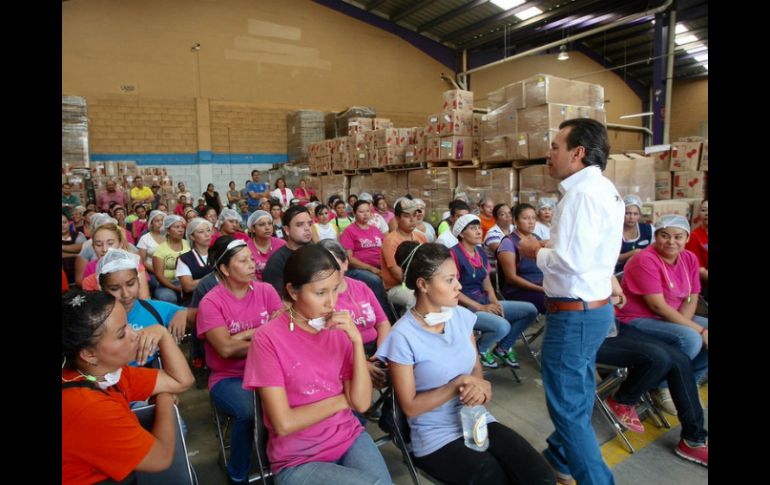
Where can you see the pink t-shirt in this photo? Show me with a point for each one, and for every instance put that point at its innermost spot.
(359, 299)
(310, 368)
(90, 269)
(647, 274)
(261, 258)
(238, 235)
(365, 244)
(220, 308)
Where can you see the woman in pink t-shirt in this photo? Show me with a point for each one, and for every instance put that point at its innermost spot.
(303, 193)
(105, 237)
(359, 300)
(227, 317)
(662, 285)
(262, 242)
(309, 368)
(362, 241)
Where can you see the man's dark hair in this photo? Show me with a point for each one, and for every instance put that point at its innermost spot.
(252, 173)
(458, 205)
(591, 135)
(291, 212)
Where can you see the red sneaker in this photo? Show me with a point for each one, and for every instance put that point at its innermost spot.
(697, 454)
(626, 415)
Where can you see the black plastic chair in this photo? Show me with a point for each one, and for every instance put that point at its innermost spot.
(181, 471)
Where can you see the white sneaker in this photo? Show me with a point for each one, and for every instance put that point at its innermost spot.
(662, 399)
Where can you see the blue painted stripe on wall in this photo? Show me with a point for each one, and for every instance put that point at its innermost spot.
(204, 157)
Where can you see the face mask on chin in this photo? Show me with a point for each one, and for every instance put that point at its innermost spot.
(109, 379)
(435, 318)
(317, 323)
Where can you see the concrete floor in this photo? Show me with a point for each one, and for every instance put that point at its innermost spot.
(520, 406)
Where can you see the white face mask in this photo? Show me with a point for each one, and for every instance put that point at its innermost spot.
(434, 318)
(110, 379)
(317, 323)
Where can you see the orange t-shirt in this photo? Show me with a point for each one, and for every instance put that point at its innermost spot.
(388, 256)
(101, 437)
(486, 224)
(64, 285)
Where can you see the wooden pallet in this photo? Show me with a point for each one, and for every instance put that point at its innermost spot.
(405, 166)
(349, 172)
(476, 163)
(337, 172)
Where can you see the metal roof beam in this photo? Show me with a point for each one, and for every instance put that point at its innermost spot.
(498, 17)
(450, 15)
(411, 10)
(374, 4)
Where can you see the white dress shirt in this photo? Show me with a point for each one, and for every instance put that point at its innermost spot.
(586, 234)
(542, 231)
(447, 239)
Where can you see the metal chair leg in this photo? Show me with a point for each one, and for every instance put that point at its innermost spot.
(613, 422)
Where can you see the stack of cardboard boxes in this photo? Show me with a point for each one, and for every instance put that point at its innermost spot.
(680, 178)
(302, 128)
(74, 131)
(449, 134)
(524, 116)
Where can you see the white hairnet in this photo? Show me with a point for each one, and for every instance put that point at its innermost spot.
(365, 196)
(632, 199)
(170, 220)
(99, 219)
(116, 260)
(673, 220)
(546, 202)
(193, 225)
(155, 214)
(462, 223)
(257, 215)
(420, 202)
(227, 215)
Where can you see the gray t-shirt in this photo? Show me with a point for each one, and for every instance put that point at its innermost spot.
(437, 359)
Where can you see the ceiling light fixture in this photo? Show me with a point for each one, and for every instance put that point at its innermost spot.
(508, 4)
(563, 54)
(637, 115)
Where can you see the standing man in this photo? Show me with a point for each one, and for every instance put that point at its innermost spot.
(140, 192)
(68, 201)
(254, 191)
(298, 228)
(577, 265)
(155, 196)
(111, 194)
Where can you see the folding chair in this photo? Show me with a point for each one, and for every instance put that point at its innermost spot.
(614, 377)
(222, 422)
(181, 471)
(401, 441)
(260, 444)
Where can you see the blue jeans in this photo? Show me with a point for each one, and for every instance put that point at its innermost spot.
(570, 343)
(518, 315)
(684, 338)
(375, 283)
(361, 464)
(648, 361)
(230, 397)
(167, 294)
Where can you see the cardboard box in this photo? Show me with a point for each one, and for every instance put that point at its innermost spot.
(496, 98)
(456, 148)
(396, 183)
(494, 149)
(500, 184)
(420, 133)
(458, 99)
(510, 94)
(381, 123)
(434, 186)
(386, 137)
(536, 178)
(369, 140)
(507, 121)
(476, 154)
(518, 146)
(374, 160)
(662, 160)
(540, 143)
(663, 186)
(432, 148)
(653, 211)
(433, 124)
(550, 116)
(456, 123)
(390, 156)
(685, 156)
(361, 158)
(337, 165)
(489, 125)
(532, 197)
(357, 141)
(632, 174)
(476, 131)
(688, 185)
(359, 125)
(545, 88)
(704, 157)
(330, 185)
(695, 214)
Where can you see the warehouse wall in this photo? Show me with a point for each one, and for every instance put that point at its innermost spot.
(689, 108)
(620, 98)
(258, 60)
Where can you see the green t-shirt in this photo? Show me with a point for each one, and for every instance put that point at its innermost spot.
(342, 223)
(443, 227)
(169, 257)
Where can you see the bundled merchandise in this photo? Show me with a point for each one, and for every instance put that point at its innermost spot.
(354, 112)
(499, 184)
(681, 170)
(535, 183)
(74, 132)
(302, 128)
(653, 211)
(632, 174)
(433, 186)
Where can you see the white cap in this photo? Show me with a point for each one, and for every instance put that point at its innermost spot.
(546, 202)
(462, 223)
(257, 215)
(632, 199)
(170, 220)
(193, 225)
(228, 215)
(116, 260)
(672, 220)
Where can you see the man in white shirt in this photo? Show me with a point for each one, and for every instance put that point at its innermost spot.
(577, 265)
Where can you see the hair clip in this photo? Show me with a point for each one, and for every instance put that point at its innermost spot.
(77, 301)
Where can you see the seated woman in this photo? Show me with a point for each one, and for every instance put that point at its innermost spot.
(341, 218)
(363, 241)
(101, 438)
(87, 253)
(303, 193)
(227, 317)
(139, 224)
(486, 215)
(164, 259)
(71, 243)
(662, 285)
(521, 278)
(118, 275)
(381, 216)
(323, 229)
(262, 242)
(431, 353)
(649, 361)
(698, 244)
(229, 224)
(78, 222)
(192, 266)
(211, 215)
(109, 236)
(150, 241)
(309, 367)
(358, 299)
(635, 236)
(499, 321)
(282, 193)
(119, 213)
(502, 228)
(545, 208)
(422, 226)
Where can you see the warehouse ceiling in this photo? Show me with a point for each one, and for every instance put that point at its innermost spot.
(489, 32)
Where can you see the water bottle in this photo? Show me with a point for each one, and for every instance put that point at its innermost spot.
(474, 421)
